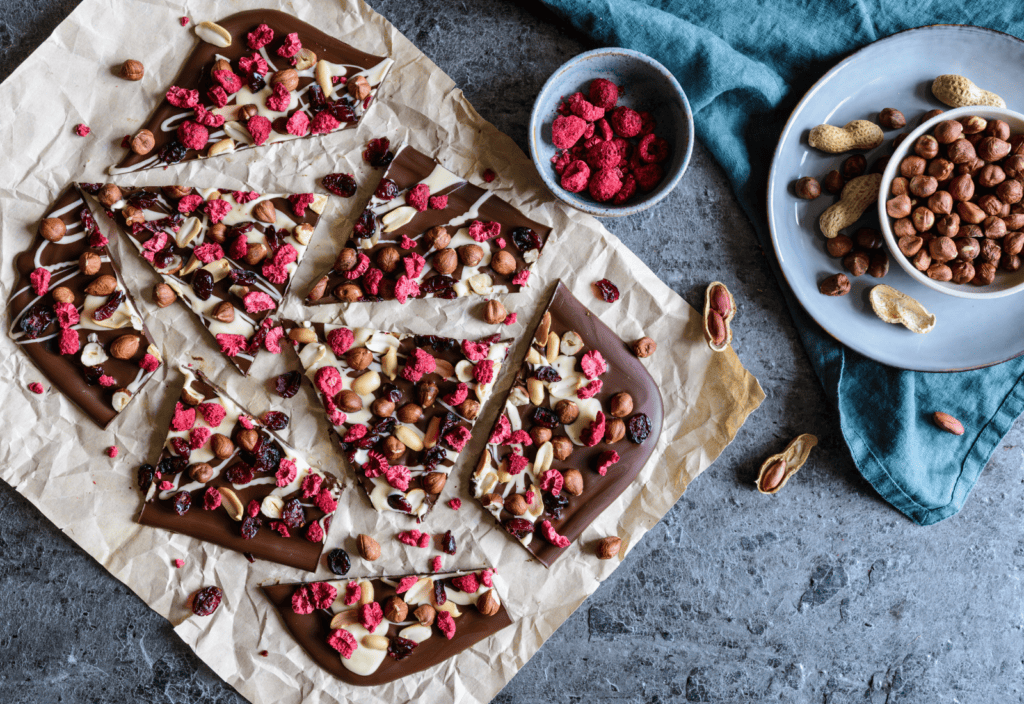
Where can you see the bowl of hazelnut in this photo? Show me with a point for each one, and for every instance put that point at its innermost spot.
(951, 204)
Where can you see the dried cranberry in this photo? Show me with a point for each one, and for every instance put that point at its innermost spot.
(242, 277)
(91, 188)
(440, 595)
(274, 238)
(390, 392)
(399, 503)
(518, 528)
(638, 427)
(239, 473)
(341, 112)
(182, 502)
(172, 152)
(365, 226)
(546, 374)
(36, 320)
(376, 153)
(448, 421)
(441, 286)
(433, 456)
(256, 81)
(93, 374)
(251, 526)
(142, 199)
(544, 417)
(88, 223)
(163, 258)
(526, 239)
(400, 648)
(340, 184)
(106, 310)
(292, 514)
(554, 505)
(275, 420)
(287, 384)
(268, 456)
(386, 190)
(609, 291)
(448, 543)
(145, 477)
(339, 562)
(317, 102)
(206, 601)
(182, 447)
(240, 229)
(202, 284)
(169, 466)
(440, 344)
(257, 340)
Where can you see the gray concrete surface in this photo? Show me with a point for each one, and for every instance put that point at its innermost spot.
(822, 594)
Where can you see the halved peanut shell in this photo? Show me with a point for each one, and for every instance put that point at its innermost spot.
(894, 306)
(777, 469)
(719, 310)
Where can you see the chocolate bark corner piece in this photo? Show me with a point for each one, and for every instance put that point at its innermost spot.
(228, 255)
(72, 314)
(428, 233)
(568, 442)
(328, 629)
(225, 479)
(280, 80)
(401, 406)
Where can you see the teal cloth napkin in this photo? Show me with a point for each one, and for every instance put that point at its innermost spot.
(744, 65)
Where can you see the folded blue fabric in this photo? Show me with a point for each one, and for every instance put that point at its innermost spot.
(744, 65)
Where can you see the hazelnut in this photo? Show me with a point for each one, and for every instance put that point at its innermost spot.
(961, 151)
(948, 225)
(289, 78)
(939, 272)
(903, 227)
(999, 129)
(990, 204)
(880, 163)
(973, 124)
(265, 212)
(425, 614)
(912, 166)
(926, 147)
(930, 114)
(410, 413)
(968, 249)
(839, 246)
(164, 295)
(89, 263)
(247, 111)
(942, 249)
(1009, 262)
(383, 407)
(494, 312)
(52, 229)
(891, 119)
(899, 186)
(898, 206)
(63, 294)
(990, 251)
(124, 347)
(488, 603)
(388, 259)
(359, 358)
(503, 263)
(433, 482)
(256, 253)
(1014, 166)
(516, 504)
(984, 274)
(469, 409)
(218, 233)
(573, 481)
(102, 286)
(948, 131)
(615, 430)
(899, 139)
(607, 548)
(426, 392)
(835, 285)
(644, 347)
(222, 446)
(994, 227)
(910, 245)
(969, 212)
(393, 447)
(834, 182)
(359, 88)
(142, 142)
(396, 610)
(437, 237)
(567, 411)
(963, 272)
(350, 293)
(941, 169)
(369, 549)
(940, 203)
(562, 447)
(248, 438)
(620, 405)
(1011, 191)
(991, 175)
(132, 215)
(540, 435)
(856, 263)
(923, 186)
(1013, 244)
(470, 254)
(854, 166)
(349, 401)
(346, 259)
(201, 472)
(318, 290)
(923, 219)
(807, 188)
(445, 261)
(992, 149)
(108, 194)
(132, 70)
(921, 260)
(224, 312)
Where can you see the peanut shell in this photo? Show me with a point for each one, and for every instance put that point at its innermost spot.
(857, 134)
(958, 92)
(788, 462)
(717, 330)
(857, 195)
(892, 306)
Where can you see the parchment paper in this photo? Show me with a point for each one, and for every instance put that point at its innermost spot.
(54, 456)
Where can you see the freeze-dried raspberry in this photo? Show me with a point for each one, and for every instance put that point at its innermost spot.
(560, 161)
(447, 624)
(455, 504)
(323, 595)
(552, 482)
(487, 575)
(298, 124)
(648, 176)
(418, 196)
(246, 422)
(436, 564)
(362, 264)
(179, 563)
(149, 363)
(483, 371)
(198, 437)
(406, 288)
(260, 37)
(280, 99)
(243, 197)
(217, 210)
(483, 231)
(593, 365)
(340, 340)
(232, 345)
(605, 460)
(259, 127)
(302, 600)
(209, 252)
(418, 363)
(605, 130)
(566, 130)
(398, 477)
(254, 64)
(275, 273)
(290, 47)
(189, 203)
(604, 184)
(286, 472)
(627, 190)
(548, 531)
(458, 396)
(344, 642)
(311, 485)
(257, 301)
(412, 537)
(626, 122)
(183, 21)
(352, 593)
(218, 96)
(437, 202)
(581, 107)
(193, 135)
(112, 451)
(604, 155)
(603, 93)
(647, 123)
(594, 432)
(182, 98)
(516, 463)
(371, 281)
(591, 389)
(67, 314)
(502, 431)
(653, 149)
(208, 119)
(69, 342)
(370, 616)
(156, 242)
(576, 176)
(272, 342)
(315, 533)
(356, 432)
(105, 380)
(184, 417)
(467, 583)
(407, 243)
(520, 437)
(165, 486)
(458, 438)
(475, 351)
(324, 122)
(328, 380)
(325, 501)
(253, 508)
(299, 202)
(414, 265)
(376, 464)
(40, 280)
(239, 247)
(228, 80)
(281, 528)
(405, 584)
(510, 319)
(211, 499)
(36, 388)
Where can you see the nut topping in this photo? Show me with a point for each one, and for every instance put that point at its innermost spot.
(142, 142)
(102, 286)
(222, 446)
(289, 78)
(52, 229)
(607, 548)
(369, 549)
(265, 212)
(164, 295)
(124, 347)
(132, 70)
(494, 312)
(488, 603)
(224, 312)
(89, 263)
(201, 472)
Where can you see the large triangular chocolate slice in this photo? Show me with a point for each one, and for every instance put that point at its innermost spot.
(256, 78)
(223, 477)
(373, 631)
(579, 424)
(228, 255)
(402, 406)
(428, 233)
(71, 313)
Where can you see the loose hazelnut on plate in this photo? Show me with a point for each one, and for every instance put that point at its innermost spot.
(854, 166)
(807, 188)
(164, 295)
(369, 549)
(132, 70)
(834, 182)
(835, 285)
(892, 119)
(503, 263)
(52, 229)
(142, 142)
(494, 312)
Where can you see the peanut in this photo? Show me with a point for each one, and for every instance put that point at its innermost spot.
(777, 469)
(858, 134)
(957, 91)
(857, 195)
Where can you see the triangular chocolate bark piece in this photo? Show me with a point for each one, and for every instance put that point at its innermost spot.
(228, 255)
(374, 631)
(402, 406)
(580, 422)
(72, 314)
(224, 478)
(428, 233)
(256, 78)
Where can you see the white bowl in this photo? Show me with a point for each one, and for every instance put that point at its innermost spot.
(1006, 283)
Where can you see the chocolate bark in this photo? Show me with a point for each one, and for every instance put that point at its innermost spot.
(90, 375)
(210, 259)
(393, 254)
(269, 490)
(343, 62)
(556, 377)
(312, 630)
(435, 408)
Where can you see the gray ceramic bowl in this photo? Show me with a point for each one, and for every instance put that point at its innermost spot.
(645, 85)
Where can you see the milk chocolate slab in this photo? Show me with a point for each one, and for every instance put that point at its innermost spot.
(72, 340)
(402, 406)
(392, 656)
(392, 253)
(233, 110)
(576, 358)
(224, 478)
(233, 266)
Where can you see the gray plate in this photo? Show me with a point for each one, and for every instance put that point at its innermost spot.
(893, 72)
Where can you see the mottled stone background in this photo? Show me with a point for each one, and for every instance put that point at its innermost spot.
(821, 594)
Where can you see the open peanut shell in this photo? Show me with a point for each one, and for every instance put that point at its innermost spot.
(893, 306)
(777, 469)
(719, 310)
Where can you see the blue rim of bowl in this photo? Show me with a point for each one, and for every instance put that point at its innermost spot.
(769, 187)
(585, 205)
(967, 294)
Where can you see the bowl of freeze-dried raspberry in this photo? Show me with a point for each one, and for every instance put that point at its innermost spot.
(611, 132)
